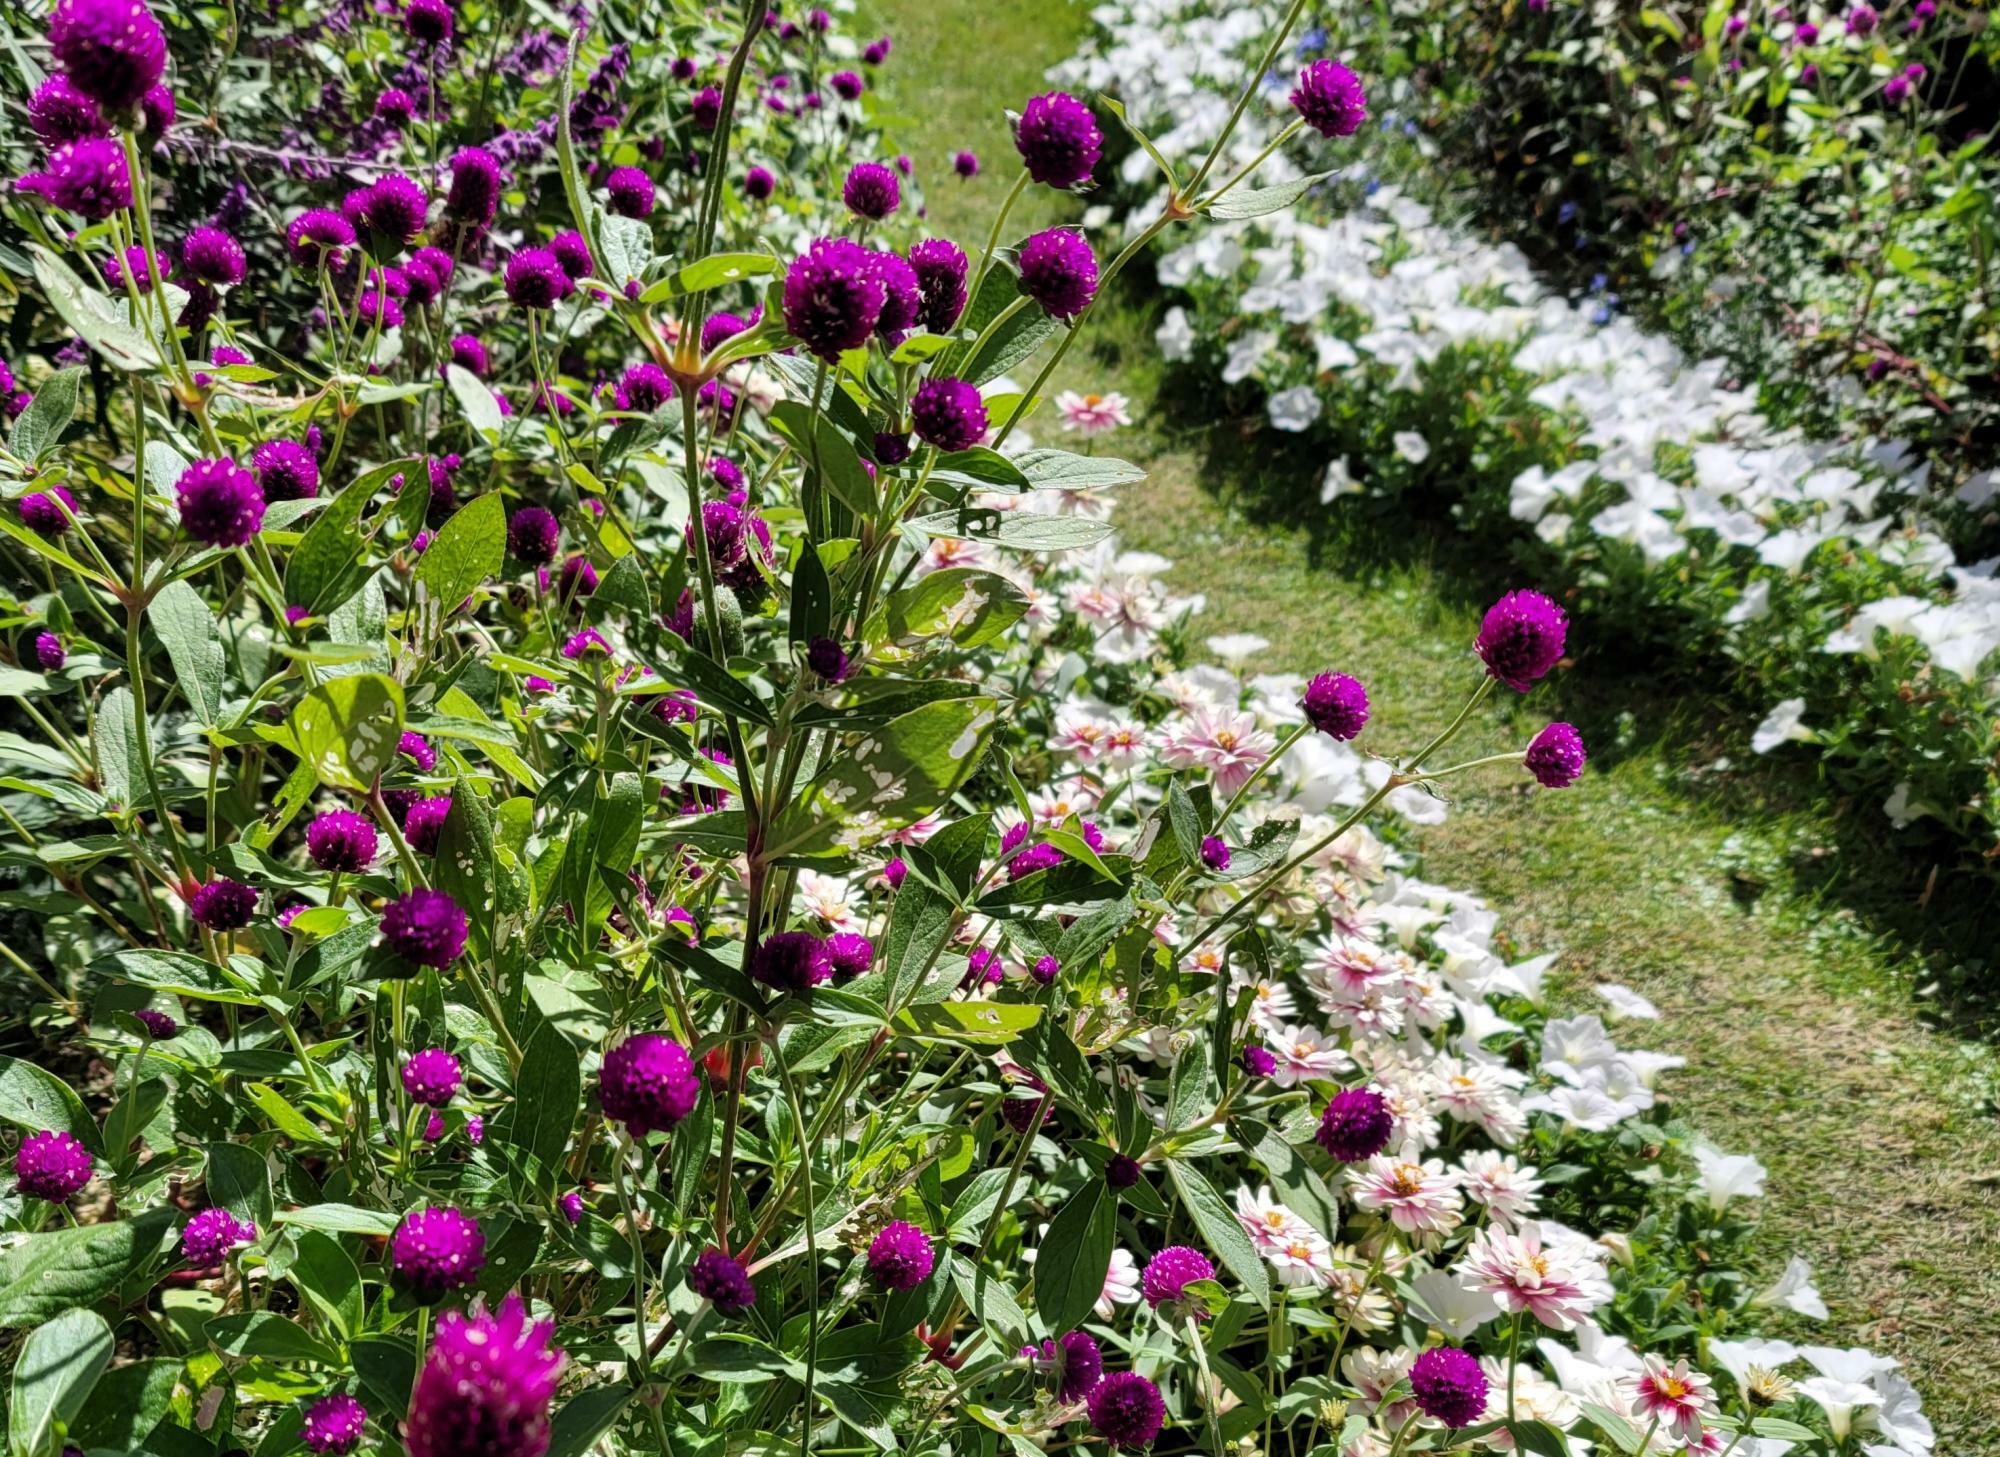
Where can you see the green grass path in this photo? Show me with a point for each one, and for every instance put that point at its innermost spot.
(1803, 1041)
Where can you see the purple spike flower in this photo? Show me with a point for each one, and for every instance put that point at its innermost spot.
(51, 1165)
(437, 1248)
(159, 1026)
(486, 1389)
(1168, 1274)
(900, 1256)
(213, 256)
(965, 164)
(417, 748)
(1074, 1362)
(87, 177)
(630, 192)
(534, 536)
(572, 251)
(648, 1082)
(940, 266)
(1214, 853)
(428, 21)
(535, 279)
(221, 503)
(1521, 638)
(849, 953)
(644, 388)
(949, 414)
(827, 660)
(1058, 139)
(473, 196)
(1059, 272)
(50, 655)
(759, 184)
(425, 927)
(1330, 99)
(318, 235)
(423, 823)
(1555, 756)
(60, 111)
(41, 513)
(1336, 705)
(1257, 1060)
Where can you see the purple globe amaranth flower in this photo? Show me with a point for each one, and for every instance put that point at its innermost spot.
(51, 1165)
(871, 191)
(156, 113)
(571, 1205)
(428, 21)
(423, 823)
(759, 184)
(535, 279)
(221, 503)
(473, 195)
(334, 1425)
(211, 1235)
(50, 654)
(1058, 139)
(486, 1389)
(1059, 272)
(965, 164)
(572, 251)
(1214, 853)
(648, 1082)
(706, 105)
(1449, 1386)
(159, 1025)
(223, 904)
(393, 207)
(576, 579)
(87, 177)
(949, 414)
(1168, 1274)
(850, 954)
(827, 660)
(341, 841)
(895, 872)
(429, 272)
(1076, 1363)
(60, 111)
(940, 266)
(847, 85)
(1330, 99)
(468, 352)
(534, 536)
(113, 50)
(1355, 1125)
(42, 512)
(213, 256)
(425, 927)
(900, 1256)
(1257, 1060)
(1336, 705)
(435, 1249)
(1555, 756)
(833, 298)
(644, 388)
(1895, 91)
(318, 235)
(629, 192)
(727, 474)
(1043, 970)
(432, 1077)
(285, 470)
(722, 1282)
(677, 706)
(1126, 1410)
(902, 296)
(791, 961)
(1862, 20)
(396, 107)
(1121, 1171)
(1521, 638)
(417, 749)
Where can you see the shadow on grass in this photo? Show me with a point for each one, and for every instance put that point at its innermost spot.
(1640, 696)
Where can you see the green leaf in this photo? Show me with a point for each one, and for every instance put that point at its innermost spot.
(347, 729)
(466, 863)
(718, 270)
(1538, 1437)
(47, 415)
(983, 1024)
(1018, 530)
(1075, 1255)
(968, 606)
(920, 922)
(173, 971)
(271, 1336)
(1256, 202)
(115, 737)
(626, 245)
(1299, 1186)
(328, 1280)
(547, 1093)
(623, 590)
(43, 1275)
(893, 776)
(1621, 1433)
(57, 1366)
(127, 1403)
(338, 1219)
(839, 463)
(585, 1418)
(239, 1180)
(812, 598)
(33, 1099)
(1060, 470)
(481, 410)
(387, 1369)
(328, 563)
(1220, 1229)
(186, 628)
(991, 1301)
(1776, 1428)
(471, 547)
(92, 316)
(1117, 109)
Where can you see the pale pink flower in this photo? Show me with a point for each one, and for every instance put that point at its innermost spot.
(1502, 1183)
(1092, 414)
(1418, 1198)
(1121, 1284)
(1269, 1224)
(1677, 1396)
(1305, 1055)
(1558, 1283)
(1226, 741)
(1272, 1005)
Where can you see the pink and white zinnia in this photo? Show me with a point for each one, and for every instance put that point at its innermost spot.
(1558, 1283)
(1674, 1395)
(1418, 1198)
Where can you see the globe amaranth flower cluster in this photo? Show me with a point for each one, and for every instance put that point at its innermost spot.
(648, 1083)
(486, 1388)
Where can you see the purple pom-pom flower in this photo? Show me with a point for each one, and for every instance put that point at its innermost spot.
(51, 1165)
(1126, 1410)
(425, 927)
(949, 414)
(211, 1235)
(1058, 139)
(221, 503)
(334, 1425)
(1059, 272)
(791, 961)
(1449, 1386)
(1330, 99)
(648, 1082)
(432, 1077)
(437, 1248)
(1555, 756)
(285, 470)
(900, 1256)
(487, 1387)
(223, 904)
(1355, 1125)
(113, 50)
(833, 298)
(1336, 705)
(341, 841)
(871, 191)
(1521, 638)
(722, 1282)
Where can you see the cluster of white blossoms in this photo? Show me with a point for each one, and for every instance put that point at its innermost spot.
(1678, 467)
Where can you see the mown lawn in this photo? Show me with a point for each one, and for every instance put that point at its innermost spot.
(1662, 870)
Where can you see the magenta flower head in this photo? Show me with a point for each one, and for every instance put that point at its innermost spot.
(486, 1389)
(87, 177)
(59, 112)
(51, 1165)
(572, 251)
(1861, 20)
(833, 298)
(428, 21)
(847, 85)
(211, 1235)
(791, 961)
(113, 50)
(334, 1425)
(286, 470)
(827, 660)
(1126, 1410)
(469, 352)
(707, 108)
(42, 511)
(849, 954)
(895, 873)
(1075, 1364)
(759, 184)
(1336, 705)
(426, 274)
(393, 207)
(948, 413)
(1521, 638)
(1214, 853)
(572, 1207)
(1059, 272)
(900, 1257)
(1449, 1386)
(876, 51)
(50, 654)
(535, 279)
(417, 749)
(432, 1077)
(223, 904)
(425, 927)
(629, 191)
(534, 536)
(1355, 1125)
(318, 235)
(644, 388)
(423, 823)
(722, 1282)
(965, 164)
(1058, 139)
(1121, 1171)
(1330, 99)
(1555, 756)
(1896, 90)
(221, 503)
(213, 256)
(1168, 1274)
(159, 1025)
(156, 113)
(396, 107)
(648, 1082)
(473, 196)
(435, 1249)
(1257, 1060)
(902, 295)
(871, 191)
